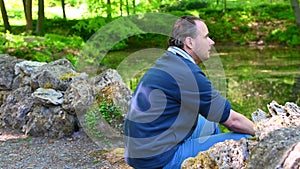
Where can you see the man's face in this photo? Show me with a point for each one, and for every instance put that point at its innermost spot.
(202, 43)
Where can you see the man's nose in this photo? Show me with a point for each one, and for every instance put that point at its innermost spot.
(211, 42)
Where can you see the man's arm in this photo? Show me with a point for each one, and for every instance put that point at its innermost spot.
(239, 123)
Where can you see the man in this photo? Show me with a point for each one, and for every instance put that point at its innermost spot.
(175, 111)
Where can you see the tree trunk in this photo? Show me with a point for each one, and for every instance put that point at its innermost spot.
(133, 5)
(4, 16)
(24, 5)
(108, 10)
(121, 6)
(28, 7)
(41, 16)
(63, 8)
(127, 7)
(296, 9)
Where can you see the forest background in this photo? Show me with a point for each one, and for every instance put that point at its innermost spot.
(46, 30)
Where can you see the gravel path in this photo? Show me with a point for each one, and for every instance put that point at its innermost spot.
(18, 151)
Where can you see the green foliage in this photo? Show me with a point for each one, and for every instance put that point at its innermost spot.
(290, 36)
(43, 49)
(180, 13)
(186, 5)
(59, 26)
(195, 4)
(104, 111)
(95, 6)
(87, 27)
(72, 42)
(53, 3)
(16, 14)
(251, 24)
(109, 111)
(91, 123)
(111, 37)
(75, 3)
(277, 11)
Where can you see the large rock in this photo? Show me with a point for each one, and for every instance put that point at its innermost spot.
(277, 143)
(16, 105)
(23, 71)
(109, 85)
(227, 154)
(49, 99)
(278, 149)
(78, 98)
(86, 98)
(50, 122)
(52, 75)
(281, 116)
(7, 75)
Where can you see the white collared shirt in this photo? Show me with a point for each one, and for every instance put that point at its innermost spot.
(180, 52)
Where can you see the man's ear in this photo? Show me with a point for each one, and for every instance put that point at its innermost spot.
(189, 42)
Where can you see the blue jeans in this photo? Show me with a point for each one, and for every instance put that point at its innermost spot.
(205, 135)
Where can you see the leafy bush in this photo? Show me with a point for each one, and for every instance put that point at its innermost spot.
(272, 12)
(91, 123)
(106, 111)
(113, 36)
(43, 49)
(109, 111)
(186, 5)
(290, 36)
(252, 24)
(195, 4)
(16, 14)
(87, 27)
(59, 26)
(73, 42)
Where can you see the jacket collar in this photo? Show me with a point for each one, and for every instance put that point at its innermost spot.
(180, 52)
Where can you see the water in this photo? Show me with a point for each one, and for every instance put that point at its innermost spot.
(254, 76)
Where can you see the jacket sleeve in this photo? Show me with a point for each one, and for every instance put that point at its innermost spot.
(210, 102)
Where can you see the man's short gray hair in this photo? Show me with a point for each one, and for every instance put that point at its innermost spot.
(184, 27)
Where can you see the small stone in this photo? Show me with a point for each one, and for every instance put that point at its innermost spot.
(258, 115)
(49, 95)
